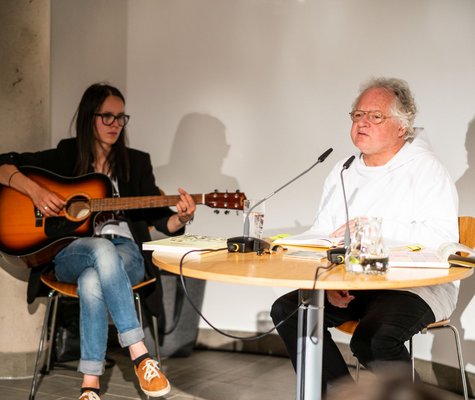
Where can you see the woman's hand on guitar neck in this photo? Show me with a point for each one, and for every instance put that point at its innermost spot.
(185, 212)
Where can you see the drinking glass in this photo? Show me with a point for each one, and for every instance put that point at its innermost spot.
(367, 253)
(256, 217)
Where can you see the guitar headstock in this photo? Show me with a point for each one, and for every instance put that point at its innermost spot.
(227, 200)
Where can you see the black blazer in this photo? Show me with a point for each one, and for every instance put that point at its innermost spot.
(61, 160)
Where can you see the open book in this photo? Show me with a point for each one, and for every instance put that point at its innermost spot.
(184, 243)
(446, 255)
(310, 239)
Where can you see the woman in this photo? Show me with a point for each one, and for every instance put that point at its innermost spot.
(107, 265)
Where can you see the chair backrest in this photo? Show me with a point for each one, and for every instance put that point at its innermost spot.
(467, 231)
(348, 327)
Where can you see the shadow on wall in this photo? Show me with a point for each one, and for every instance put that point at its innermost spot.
(196, 162)
(465, 185)
(466, 190)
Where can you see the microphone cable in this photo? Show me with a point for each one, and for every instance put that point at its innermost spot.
(255, 337)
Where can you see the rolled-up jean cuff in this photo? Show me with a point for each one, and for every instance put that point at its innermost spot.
(130, 337)
(91, 367)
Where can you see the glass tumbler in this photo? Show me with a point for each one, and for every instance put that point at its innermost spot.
(367, 253)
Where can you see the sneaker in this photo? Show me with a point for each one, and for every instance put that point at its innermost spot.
(89, 395)
(152, 381)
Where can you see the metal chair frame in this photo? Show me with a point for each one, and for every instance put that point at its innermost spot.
(350, 326)
(467, 237)
(70, 290)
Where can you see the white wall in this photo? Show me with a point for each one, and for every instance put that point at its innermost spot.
(246, 94)
(88, 44)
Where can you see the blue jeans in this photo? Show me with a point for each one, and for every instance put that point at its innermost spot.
(105, 271)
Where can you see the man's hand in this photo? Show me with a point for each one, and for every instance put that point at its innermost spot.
(339, 298)
(340, 232)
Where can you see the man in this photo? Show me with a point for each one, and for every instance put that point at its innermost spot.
(395, 176)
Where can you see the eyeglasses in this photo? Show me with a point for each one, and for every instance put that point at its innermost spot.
(375, 117)
(109, 118)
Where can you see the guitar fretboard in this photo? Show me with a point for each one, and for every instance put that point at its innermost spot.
(130, 203)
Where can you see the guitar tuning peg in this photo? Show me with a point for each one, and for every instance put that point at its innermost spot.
(216, 211)
(216, 190)
(226, 212)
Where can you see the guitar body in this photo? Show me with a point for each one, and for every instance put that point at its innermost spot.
(33, 239)
(26, 233)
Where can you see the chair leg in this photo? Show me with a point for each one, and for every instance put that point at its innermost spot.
(155, 339)
(52, 333)
(460, 358)
(413, 363)
(459, 355)
(139, 307)
(154, 327)
(357, 374)
(44, 333)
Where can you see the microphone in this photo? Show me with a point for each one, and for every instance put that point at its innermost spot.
(245, 243)
(337, 255)
(346, 165)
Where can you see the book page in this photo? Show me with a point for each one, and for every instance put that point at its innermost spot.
(446, 249)
(443, 257)
(424, 257)
(311, 255)
(310, 239)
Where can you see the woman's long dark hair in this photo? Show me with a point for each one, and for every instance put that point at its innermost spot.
(89, 105)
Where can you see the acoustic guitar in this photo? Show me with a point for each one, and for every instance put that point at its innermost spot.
(27, 234)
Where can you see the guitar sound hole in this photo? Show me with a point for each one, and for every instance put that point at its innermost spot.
(78, 208)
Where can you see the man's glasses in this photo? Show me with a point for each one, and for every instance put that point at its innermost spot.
(109, 118)
(375, 117)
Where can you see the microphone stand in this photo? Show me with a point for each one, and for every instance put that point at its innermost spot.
(245, 243)
(337, 255)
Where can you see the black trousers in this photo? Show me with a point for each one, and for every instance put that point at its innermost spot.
(388, 318)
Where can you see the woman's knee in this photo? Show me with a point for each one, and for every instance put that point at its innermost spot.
(106, 258)
(89, 286)
(103, 248)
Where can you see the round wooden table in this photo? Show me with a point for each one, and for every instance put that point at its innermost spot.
(281, 271)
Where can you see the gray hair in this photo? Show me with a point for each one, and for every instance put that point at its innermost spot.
(404, 106)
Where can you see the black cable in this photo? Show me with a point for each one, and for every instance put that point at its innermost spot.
(327, 268)
(255, 337)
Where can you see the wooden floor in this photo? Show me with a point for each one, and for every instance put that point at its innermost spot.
(205, 375)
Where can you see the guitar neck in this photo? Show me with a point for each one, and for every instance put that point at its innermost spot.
(131, 203)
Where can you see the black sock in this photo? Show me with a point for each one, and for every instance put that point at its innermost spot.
(139, 359)
(96, 391)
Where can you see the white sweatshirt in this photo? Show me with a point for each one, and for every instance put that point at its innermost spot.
(414, 195)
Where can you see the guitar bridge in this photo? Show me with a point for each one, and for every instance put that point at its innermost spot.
(38, 218)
